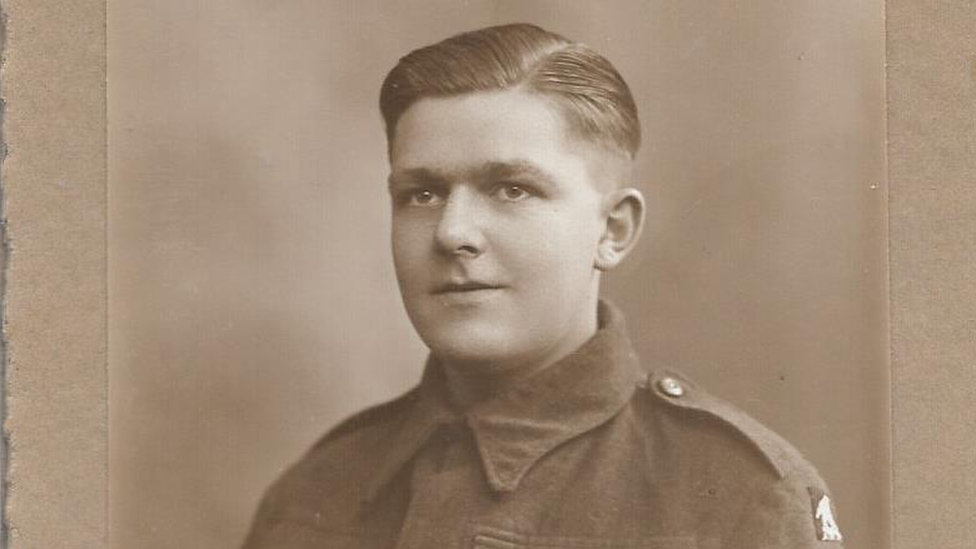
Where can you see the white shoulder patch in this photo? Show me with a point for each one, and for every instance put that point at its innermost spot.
(823, 517)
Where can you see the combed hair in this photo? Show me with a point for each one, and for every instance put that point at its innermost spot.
(595, 100)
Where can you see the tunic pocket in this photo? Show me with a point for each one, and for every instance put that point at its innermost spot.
(495, 538)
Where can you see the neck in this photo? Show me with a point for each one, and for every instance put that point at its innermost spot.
(470, 384)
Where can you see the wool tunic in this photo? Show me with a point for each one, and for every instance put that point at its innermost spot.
(590, 452)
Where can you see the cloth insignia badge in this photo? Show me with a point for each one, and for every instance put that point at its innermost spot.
(823, 516)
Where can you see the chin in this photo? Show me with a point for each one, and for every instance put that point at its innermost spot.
(471, 343)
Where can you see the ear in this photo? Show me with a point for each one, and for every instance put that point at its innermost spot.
(623, 211)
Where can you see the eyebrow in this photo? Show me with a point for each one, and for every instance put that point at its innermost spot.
(515, 169)
(409, 176)
(510, 169)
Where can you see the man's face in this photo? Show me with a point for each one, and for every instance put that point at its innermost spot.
(496, 222)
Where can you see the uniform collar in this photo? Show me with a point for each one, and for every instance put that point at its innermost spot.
(515, 429)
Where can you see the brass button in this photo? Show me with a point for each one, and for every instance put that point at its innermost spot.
(671, 387)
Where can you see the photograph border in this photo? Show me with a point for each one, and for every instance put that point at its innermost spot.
(55, 279)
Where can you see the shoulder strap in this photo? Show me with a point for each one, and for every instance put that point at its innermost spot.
(676, 391)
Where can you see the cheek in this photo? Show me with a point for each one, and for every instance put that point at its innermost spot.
(555, 246)
(409, 245)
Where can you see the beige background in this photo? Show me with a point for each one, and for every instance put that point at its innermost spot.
(252, 300)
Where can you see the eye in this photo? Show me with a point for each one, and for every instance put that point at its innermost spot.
(512, 192)
(420, 197)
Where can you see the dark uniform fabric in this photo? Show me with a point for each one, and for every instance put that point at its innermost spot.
(588, 453)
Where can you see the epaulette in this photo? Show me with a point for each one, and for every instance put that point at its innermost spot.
(675, 390)
(369, 417)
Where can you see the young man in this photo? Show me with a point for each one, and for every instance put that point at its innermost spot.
(534, 425)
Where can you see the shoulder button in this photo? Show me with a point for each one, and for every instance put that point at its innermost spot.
(670, 387)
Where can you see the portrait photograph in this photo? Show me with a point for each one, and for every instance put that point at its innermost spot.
(497, 274)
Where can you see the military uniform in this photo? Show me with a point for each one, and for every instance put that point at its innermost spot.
(588, 453)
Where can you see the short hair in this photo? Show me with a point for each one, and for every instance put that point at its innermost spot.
(594, 99)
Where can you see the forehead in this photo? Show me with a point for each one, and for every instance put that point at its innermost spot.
(463, 132)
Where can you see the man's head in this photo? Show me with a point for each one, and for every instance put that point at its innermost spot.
(510, 152)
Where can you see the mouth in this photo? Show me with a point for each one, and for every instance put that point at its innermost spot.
(467, 286)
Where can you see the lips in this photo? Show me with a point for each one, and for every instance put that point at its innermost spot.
(465, 286)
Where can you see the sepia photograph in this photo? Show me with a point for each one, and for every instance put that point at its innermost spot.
(497, 274)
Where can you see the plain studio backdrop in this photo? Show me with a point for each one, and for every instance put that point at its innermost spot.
(253, 303)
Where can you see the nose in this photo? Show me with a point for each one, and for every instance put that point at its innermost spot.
(458, 230)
